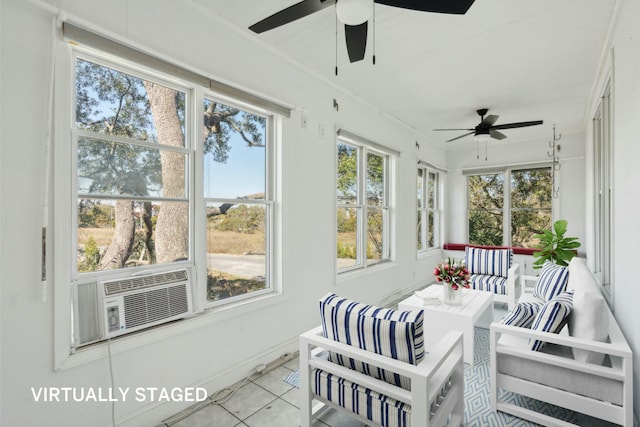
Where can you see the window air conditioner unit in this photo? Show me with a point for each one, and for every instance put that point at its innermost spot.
(130, 304)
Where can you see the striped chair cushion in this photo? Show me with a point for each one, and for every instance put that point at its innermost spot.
(495, 284)
(493, 262)
(522, 314)
(391, 333)
(380, 409)
(552, 317)
(551, 281)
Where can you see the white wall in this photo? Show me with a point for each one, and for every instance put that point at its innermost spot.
(571, 178)
(626, 179)
(216, 354)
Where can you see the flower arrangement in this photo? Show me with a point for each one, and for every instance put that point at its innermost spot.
(453, 272)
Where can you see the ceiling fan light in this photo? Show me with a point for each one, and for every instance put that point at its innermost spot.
(482, 137)
(354, 12)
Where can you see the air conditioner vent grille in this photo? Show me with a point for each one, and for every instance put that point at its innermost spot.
(134, 283)
(154, 305)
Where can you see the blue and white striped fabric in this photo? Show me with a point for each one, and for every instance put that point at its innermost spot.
(492, 262)
(380, 409)
(483, 282)
(551, 282)
(522, 314)
(552, 317)
(391, 333)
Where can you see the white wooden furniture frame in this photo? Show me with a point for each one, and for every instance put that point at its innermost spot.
(428, 379)
(621, 370)
(476, 310)
(514, 287)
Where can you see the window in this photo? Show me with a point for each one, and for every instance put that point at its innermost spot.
(362, 204)
(602, 187)
(429, 211)
(142, 195)
(507, 208)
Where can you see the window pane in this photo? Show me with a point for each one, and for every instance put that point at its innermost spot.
(375, 179)
(235, 152)
(375, 234)
(486, 191)
(236, 248)
(347, 189)
(432, 185)
(431, 230)
(103, 223)
(526, 223)
(485, 227)
(106, 167)
(419, 187)
(420, 231)
(347, 250)
(531, 188)
(115, 103)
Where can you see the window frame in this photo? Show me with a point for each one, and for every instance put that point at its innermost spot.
(65, 277)
(602, 134)
(507, 208)
(363, 147)
(423, 209)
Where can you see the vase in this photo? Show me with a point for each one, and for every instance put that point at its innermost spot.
(451, 296)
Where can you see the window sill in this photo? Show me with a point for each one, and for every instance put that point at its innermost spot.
(208, 317)
(429, 253)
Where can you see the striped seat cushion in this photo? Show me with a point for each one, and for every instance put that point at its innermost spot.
(380, 409)
(493, 262)
(551, 282)
(552, 317)
(483, 282)
(391, 333)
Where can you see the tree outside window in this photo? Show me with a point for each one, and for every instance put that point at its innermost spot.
(134, 165)
(517, 200)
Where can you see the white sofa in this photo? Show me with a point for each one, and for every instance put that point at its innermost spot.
(354, 362)
(587, 367)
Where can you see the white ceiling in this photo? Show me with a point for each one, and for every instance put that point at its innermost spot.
(524, 60)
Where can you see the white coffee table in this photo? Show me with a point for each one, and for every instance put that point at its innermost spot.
(439, 318)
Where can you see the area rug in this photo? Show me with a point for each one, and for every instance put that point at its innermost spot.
(477, 405)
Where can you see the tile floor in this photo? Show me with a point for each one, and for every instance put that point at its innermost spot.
(263, 401)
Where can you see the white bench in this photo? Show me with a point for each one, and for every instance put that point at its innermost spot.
(553, 375)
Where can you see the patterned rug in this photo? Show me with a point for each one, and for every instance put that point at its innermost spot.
(477, 405)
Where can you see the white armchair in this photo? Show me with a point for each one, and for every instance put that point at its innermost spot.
(492, 270)
(376, 388)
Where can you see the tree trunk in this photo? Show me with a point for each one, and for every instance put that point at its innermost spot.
(122, 241)
(172, 232)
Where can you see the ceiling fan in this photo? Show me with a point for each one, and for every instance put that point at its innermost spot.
(354, 14)
(487, 129)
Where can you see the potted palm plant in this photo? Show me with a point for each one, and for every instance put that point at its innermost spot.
(554, 246)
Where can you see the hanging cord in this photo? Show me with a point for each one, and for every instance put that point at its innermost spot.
(374, 33)
(485, 150)
(336, 35)
(47, 161)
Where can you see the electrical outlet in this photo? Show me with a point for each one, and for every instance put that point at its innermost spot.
(321, 131)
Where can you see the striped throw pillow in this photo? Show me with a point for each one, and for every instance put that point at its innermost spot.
(391, 333)
(494, 262)
(522, 314)
(551, 282)
(552, 317)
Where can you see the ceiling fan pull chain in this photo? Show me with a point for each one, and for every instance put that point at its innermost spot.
(485, 150)
(477, 150)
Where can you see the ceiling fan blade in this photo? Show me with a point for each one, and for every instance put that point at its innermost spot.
(456, 7)
(497, 134)
(517, 125)
(453, 129)
(458, 137)
(489, 120)
(356, 37)
(290, 14)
